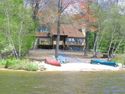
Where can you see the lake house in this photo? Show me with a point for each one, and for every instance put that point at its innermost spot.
(70, 37)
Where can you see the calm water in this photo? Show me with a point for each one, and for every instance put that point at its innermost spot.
(62, 83)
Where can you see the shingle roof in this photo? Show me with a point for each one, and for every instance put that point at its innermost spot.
(66, 30)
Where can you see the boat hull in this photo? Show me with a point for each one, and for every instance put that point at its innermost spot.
(103, 62)
(52, 62)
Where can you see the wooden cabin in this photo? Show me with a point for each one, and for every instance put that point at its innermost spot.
(70, 37)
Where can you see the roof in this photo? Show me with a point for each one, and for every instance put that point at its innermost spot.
(66, 30)
(69, 31)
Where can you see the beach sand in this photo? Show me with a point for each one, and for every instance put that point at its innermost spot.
(79, 67)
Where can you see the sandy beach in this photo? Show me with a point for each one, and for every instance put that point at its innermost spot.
(79, 67)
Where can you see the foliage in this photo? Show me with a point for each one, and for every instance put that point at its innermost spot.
(114, 30)
(17, 27)
(90, 41)
(110, 30)
(120, 58)
(25, 66)
(31, 67)
(19, 64)
(9, 62)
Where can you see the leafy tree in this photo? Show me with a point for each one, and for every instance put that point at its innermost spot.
(17, 27)
(87, 19)
(111, 31)
(116, 30)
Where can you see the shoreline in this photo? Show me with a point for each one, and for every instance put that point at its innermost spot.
(12, 70)
(72, 67)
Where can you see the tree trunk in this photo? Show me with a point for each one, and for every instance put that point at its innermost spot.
(10, 39)
(116, 49)
(35, 43)
(20, 41)
(35, 10)
(111, 42)
(95, 44)
(86, 44)
(57, 38)
(58, 31)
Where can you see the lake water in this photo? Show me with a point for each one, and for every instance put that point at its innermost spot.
(62, 82)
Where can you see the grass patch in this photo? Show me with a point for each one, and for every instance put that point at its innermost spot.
(120, 58)
(18, 64)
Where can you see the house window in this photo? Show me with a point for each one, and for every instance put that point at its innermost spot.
(44, 41)
(74, 40)
(70, 40)
(43, 28)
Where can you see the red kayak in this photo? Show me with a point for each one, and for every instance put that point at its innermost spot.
(52, 62)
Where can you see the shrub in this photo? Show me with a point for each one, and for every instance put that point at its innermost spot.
(2, 62)
(31, 67)
(120, 59)
(18, 64)
(11, 62)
